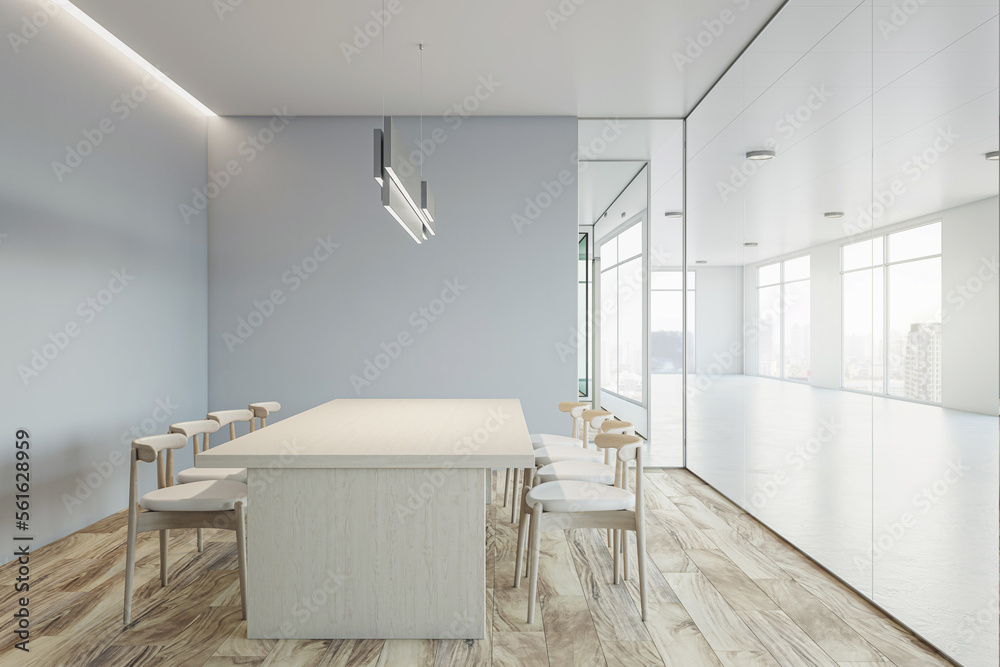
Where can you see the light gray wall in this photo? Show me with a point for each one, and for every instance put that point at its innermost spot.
(499, 337)
(117, 210)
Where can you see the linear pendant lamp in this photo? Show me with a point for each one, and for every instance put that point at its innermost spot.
(404, 195)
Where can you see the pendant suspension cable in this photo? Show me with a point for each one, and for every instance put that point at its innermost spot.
(384, 25)
(422, 156)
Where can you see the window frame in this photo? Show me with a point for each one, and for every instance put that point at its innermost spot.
(638, 219)
(884, 266)
(780, 263)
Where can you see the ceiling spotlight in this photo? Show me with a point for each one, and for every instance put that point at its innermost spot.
(623, 214)
(833, 214)
(751, 244)
(760, 155)
(673, 214)
(701, 261)
(993, 155)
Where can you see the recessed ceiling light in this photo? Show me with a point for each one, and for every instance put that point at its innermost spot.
(701, 261)
(760, 155)
(833, 214)
(993, 155)
(751, 244)
(623, 214)
(102, 32)
(673, 214)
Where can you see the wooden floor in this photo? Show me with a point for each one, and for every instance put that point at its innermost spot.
(723, 591)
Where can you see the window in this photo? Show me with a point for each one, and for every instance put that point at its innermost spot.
(891, 338)
(783, 319)
(667, 326)
(622, 361)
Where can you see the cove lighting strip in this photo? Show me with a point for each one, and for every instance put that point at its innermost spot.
(100, 30)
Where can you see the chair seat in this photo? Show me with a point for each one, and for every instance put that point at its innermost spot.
(576, 496)
(549, 439)
(211, 496)
(583, 471)
(551, 454)
(208, 474)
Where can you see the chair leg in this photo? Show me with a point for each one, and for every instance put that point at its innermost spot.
(129, 570)
(506, 486)
(241, 551)
(640, 545)
(514, 506)
(616, 558)
(535, 537)
(164, 538)
(201, 540)
(522, 531)
(624, 538)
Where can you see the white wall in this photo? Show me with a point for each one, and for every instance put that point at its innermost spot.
(717, 315)
(61, 242)
(502, 335)
(970, 292)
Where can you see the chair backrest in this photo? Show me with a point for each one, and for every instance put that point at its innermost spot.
(195, 428)
(149, 449)
(230, 417)
(617, 426)
(596, 417)
(225, 417)
(633, 452)
(264, 410)
(570, 406)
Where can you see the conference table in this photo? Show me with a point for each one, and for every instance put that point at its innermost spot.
(366, 518)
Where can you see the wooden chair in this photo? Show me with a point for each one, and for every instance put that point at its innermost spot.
(262, 411)
(575, 410)
(561, 505)
(230, 417)
(581, 470)
(210, 504)
(593, 419)
(192, 429)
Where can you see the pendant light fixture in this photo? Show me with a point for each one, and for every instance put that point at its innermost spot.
(405, 194)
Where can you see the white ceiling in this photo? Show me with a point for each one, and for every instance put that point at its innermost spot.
(606, 59)
(895, 93)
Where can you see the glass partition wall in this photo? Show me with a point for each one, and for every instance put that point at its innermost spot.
(845, 373)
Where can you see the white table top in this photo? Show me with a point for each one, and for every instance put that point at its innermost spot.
(386, 433)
